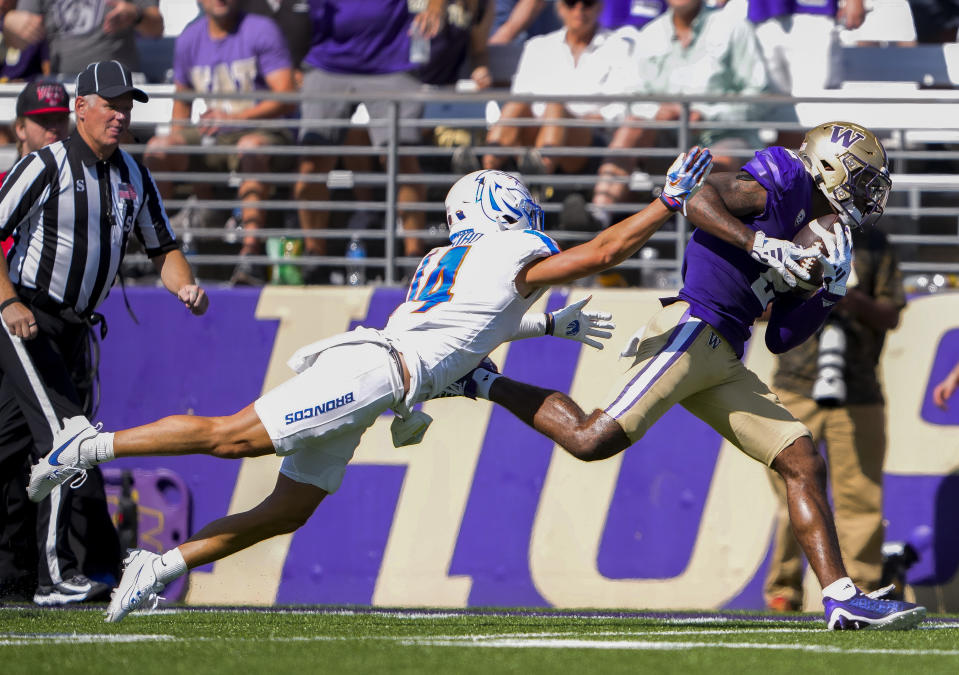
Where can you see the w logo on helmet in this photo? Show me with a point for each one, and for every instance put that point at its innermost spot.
(846, 136)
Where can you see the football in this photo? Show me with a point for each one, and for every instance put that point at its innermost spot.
(813, 234)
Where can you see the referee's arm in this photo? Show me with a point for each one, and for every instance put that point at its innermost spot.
(17, 317)
(23, 189)
(178, 278)
(154, 231)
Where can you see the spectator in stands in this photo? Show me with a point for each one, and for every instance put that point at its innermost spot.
(228, 51)
(579, 59)
(787, 29)
(458, 49)
(462, 41)
(831, 384)
(82, 33)
(691, 49)
(293, 19)
(519, 20)
(884, 22)
(945, 389)
(19, 65)
(936, 21)
(362, 48)
(635, 13)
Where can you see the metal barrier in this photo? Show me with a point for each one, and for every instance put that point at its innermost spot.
(921, 217)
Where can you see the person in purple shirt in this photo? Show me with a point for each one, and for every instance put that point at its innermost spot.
(636, 13)
(363, 47)
(228, 51)
(739, 260)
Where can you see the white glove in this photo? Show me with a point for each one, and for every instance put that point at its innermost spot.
(836, 264)
(685, 177)
(410, 430)
(781, 255)
(573, 323)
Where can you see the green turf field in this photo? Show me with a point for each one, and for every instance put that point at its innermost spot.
(361, 640)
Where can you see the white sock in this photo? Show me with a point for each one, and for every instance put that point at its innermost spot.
(97, 449)
(484, 379)
(172, 565)
(840, 589)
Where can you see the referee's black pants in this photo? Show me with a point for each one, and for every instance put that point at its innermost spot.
(72, 530)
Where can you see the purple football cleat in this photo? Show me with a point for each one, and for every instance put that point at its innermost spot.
(862, 612)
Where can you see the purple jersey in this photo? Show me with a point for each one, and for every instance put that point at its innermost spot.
(236, 63)
(638, 13)
(760, 10)
(722, 283)
(365, 37)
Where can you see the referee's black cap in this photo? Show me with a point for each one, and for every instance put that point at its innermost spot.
(108, 79)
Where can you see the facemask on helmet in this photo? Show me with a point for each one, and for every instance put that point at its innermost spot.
(489, 201)
(849, 166)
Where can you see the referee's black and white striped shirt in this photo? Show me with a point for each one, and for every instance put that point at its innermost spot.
(71, 214)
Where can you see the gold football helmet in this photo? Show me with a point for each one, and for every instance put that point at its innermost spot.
(849, 166)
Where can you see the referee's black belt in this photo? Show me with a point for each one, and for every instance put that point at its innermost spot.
(42, 301)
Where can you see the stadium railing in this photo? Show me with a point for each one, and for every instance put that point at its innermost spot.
(919, 127)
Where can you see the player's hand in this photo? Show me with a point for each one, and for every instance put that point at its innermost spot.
(685, 177)
(781, 256)
(836, 264)
(194, 299)
(20, 321)
(572, 323)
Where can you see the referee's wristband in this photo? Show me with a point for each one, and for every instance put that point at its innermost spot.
(9, 301)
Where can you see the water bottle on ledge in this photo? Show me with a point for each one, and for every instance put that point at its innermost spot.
(356, 251)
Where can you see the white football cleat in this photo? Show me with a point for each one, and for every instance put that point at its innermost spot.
(138, 587)
(63, 462)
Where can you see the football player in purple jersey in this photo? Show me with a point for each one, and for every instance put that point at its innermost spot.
(739, 260)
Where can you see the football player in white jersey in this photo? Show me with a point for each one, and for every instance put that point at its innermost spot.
(465, 299)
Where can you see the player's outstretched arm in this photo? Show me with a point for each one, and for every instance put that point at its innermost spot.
(571, 323)
(723, 199)
(616, 243)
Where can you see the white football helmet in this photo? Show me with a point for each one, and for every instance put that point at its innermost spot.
(849, 166)
(489, 201)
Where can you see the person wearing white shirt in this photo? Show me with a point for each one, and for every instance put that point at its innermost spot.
(580, 59)
(691, 49)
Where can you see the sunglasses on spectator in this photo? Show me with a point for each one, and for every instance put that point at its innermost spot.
(586, 3)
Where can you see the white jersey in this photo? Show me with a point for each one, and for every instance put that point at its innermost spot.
(462, 304)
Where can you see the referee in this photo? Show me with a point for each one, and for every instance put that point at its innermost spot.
(71, 207)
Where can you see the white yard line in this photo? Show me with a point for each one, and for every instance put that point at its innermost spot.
(658, 645)
(601, 640)
(77, 638)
